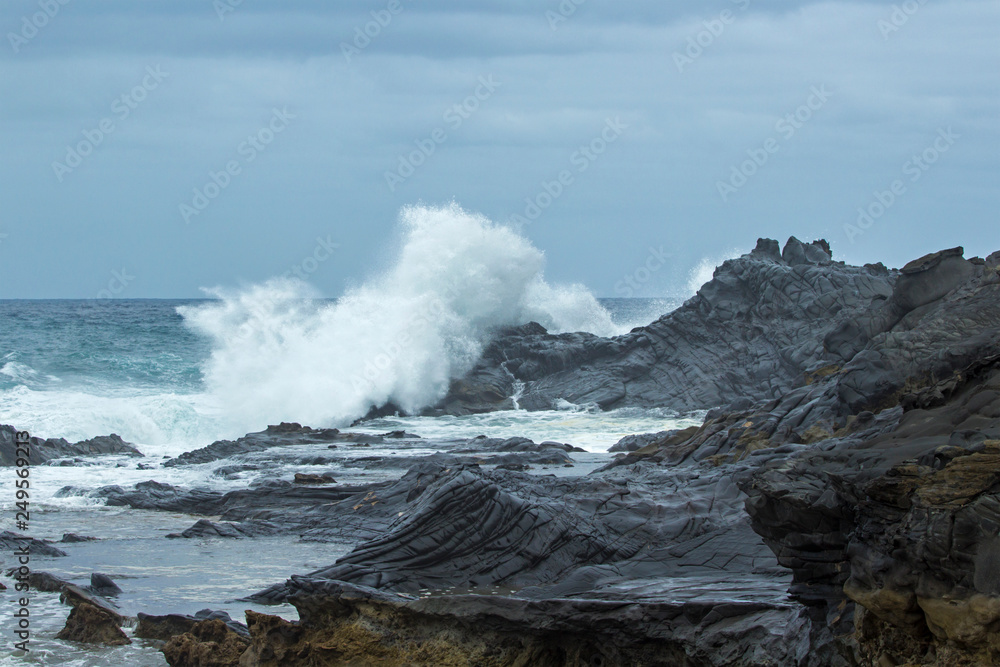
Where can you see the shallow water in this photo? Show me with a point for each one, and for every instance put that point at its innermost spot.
(161, 576)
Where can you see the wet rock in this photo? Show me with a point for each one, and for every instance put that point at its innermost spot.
(752, 332)
(209, 643)
(91, 620)
(306, 478)
(11, 542)
(71, 538)
(102, 584)
(630, 443)
(282, 435)
(93, 625)
(358, 625)
(521, 445)
(41, 451)
(45, 582)
(205, 528)
(164, 627)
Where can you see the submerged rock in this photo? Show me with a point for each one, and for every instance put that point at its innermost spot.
(307, 478)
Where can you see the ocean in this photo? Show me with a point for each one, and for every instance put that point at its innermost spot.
(160, 373)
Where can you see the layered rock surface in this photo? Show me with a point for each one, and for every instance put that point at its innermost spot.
(839, 506)
(752, 333)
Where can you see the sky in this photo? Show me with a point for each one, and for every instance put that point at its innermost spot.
(151, 149)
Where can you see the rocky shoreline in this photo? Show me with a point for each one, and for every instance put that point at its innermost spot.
(840, 504)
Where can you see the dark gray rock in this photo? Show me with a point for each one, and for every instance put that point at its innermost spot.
(41, 451)
(11, 542)
(70, 538)
(205, 528)
(755, 331)
(45, 582)
(282, 435)
(630, 443)
(102, 584)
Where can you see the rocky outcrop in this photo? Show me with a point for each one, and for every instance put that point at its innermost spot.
(41, 451)
(752, 332)
(343, 624)
(91, 621)
(904, 523)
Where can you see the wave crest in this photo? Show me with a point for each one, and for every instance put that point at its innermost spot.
(280, 353)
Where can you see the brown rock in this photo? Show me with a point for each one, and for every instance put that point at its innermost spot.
(208, 644)
(93, 625)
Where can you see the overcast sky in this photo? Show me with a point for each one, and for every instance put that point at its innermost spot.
(705, 126)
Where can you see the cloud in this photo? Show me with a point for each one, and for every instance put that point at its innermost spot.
(326, 175)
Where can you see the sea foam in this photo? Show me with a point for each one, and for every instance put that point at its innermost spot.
(280, 353)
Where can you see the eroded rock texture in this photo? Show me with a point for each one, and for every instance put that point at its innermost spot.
(839, 506)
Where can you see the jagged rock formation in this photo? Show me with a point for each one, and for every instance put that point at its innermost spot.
(749, 334)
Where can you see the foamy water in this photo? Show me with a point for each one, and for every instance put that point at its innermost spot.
(280, 354)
